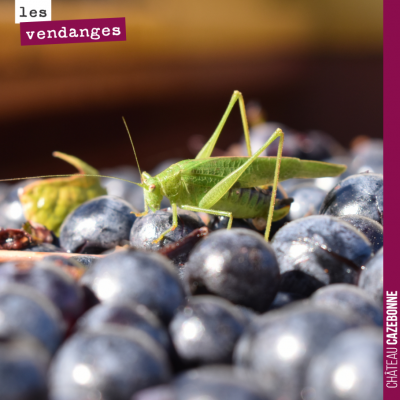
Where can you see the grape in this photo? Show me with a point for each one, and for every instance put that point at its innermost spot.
(97, 225)
(350, 368)
(23, 367)
(351, 299)
(360, 194)
(24, 310)
(280, 345)
(371, 279)
(238, 265)
(148, 228)
(206, 329)
(112, 364)
(51, 281)
(126, 314)
(317, 251)
(145, 278)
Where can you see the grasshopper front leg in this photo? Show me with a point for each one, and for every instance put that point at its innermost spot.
(174, 224)
(196, 209)
(145, 212)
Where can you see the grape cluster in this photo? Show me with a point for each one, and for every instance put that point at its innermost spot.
(225, 315)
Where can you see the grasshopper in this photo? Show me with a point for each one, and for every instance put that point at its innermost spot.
(227, 186)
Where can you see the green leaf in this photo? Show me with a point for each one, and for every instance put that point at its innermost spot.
(49, 201)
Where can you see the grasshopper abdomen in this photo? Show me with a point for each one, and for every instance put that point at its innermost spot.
(248, 202)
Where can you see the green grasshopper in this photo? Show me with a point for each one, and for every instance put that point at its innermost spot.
(227, 186)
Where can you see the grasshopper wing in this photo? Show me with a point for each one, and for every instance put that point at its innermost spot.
(207, 172)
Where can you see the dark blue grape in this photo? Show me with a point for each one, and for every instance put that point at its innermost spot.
(319, 250)
(307, 200)
(51, 281)
(350, 298)
(76, 269)
(350, 368)
(211, 383)
(24, 310)
(148, 228)
(371, 278)
(160, 392)
(23, 368)
(112, 365)
(220, 222)
(217, 223)
(360, 194)
(205, 331)
(126, 314)
(145, 278)
(11, 212)
(283, 299)
(97, 225)
(238, 265)
(219, 383)
(371, 229)
(279, 347)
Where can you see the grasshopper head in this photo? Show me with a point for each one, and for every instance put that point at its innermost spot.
(152, 191)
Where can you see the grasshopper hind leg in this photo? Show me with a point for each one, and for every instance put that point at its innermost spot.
(209, 146)
(270, 218)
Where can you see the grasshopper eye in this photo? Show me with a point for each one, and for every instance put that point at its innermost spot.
(152, 187)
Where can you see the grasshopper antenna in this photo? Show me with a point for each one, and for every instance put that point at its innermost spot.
(68, 176)
(133, 147)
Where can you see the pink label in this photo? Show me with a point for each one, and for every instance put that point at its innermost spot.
(73, 31)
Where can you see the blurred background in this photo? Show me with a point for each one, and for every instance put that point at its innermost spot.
(311, 64)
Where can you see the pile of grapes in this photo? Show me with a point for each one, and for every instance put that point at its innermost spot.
(207, 313)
